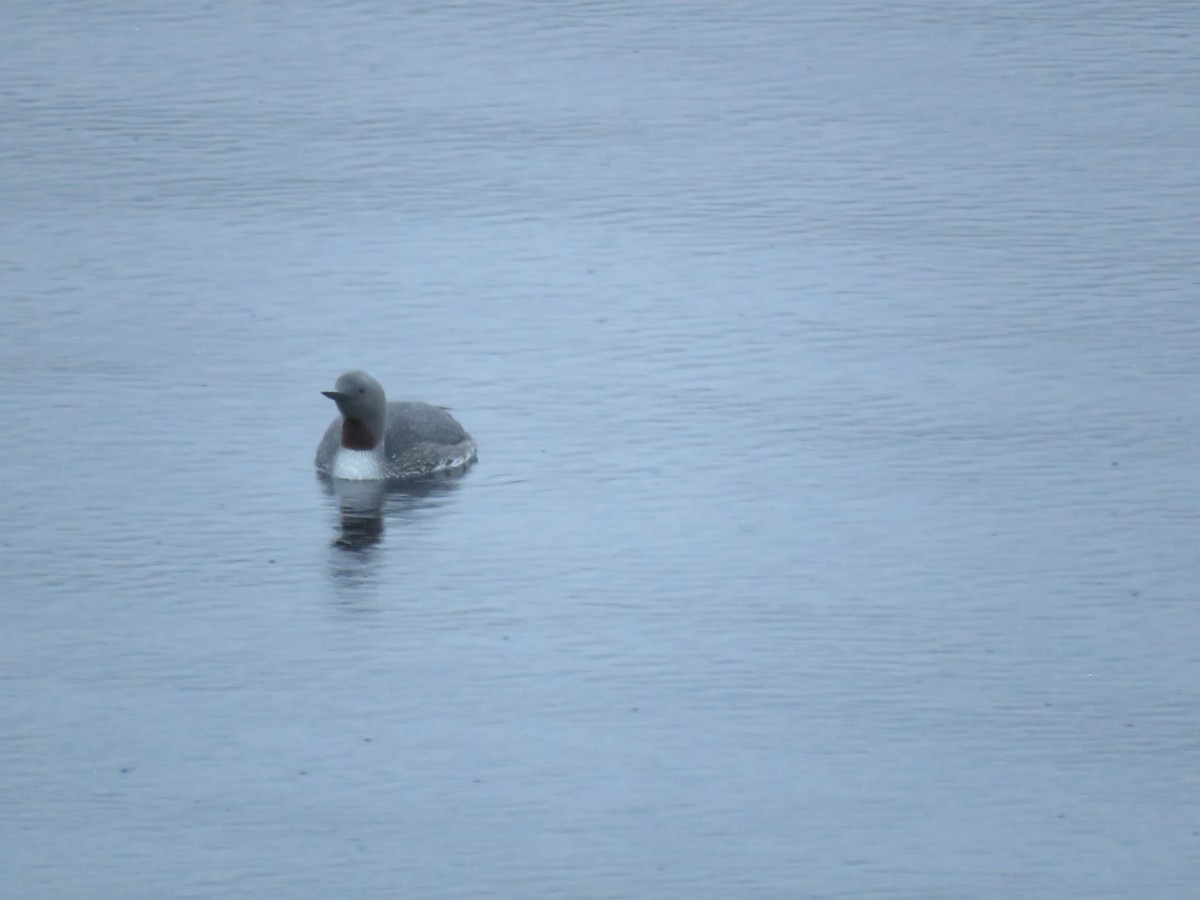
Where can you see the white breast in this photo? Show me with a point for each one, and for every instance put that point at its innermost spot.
(357, 465)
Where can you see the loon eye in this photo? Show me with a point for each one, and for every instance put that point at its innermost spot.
(362, 390)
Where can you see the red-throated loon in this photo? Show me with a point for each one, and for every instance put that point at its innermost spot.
(375, 439)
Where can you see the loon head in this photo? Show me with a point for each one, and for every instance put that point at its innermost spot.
(363, 405)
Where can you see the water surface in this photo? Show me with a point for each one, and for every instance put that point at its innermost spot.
(834, 374)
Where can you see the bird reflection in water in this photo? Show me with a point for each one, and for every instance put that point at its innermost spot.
(363, 505)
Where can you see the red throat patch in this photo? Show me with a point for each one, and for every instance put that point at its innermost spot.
(356, 435)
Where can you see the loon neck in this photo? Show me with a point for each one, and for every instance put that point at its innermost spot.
(357, 436)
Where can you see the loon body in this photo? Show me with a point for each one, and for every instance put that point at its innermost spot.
(378, 439)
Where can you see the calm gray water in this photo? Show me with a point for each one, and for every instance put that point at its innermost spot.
(835, 373)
